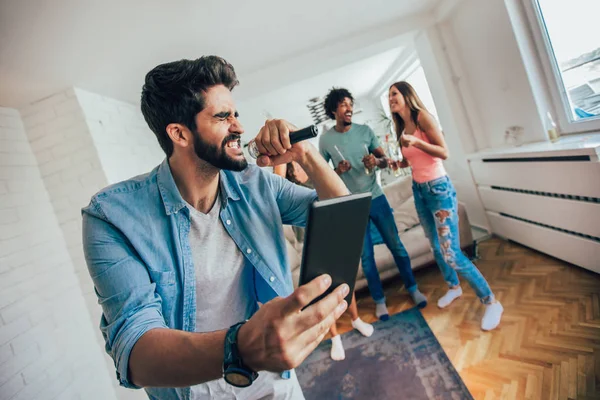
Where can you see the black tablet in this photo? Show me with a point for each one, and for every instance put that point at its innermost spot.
(333, 240)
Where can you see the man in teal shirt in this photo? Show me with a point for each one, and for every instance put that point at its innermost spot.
(355, 151)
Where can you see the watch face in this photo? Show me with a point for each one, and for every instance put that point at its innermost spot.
(238, 379)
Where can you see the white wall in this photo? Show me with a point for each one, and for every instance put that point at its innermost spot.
(75, 158)
(485, 43)
(453, 118)
(253, 113)
(70, 169)
(480, 85)
(369, 114)
(48, 348)
(125, 145)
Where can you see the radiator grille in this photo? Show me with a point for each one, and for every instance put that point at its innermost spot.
(538, 159)
(582, 235)
(548, 194)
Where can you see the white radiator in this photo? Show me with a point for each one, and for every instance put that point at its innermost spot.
(547, 199)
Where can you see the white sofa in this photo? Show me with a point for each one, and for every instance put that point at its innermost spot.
(399, 195)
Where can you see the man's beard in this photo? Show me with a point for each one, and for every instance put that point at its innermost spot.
(217, 155)
(347, 123)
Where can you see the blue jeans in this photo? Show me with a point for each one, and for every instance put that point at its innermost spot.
(381, 215)
(438, 211)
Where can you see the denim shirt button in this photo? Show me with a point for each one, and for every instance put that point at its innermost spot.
(271, 279)
(248, 251)
(228, 222)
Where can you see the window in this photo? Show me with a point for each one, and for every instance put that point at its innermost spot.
(418, 80)
(569, 44)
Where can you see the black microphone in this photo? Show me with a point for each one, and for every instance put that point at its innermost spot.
(297, 136)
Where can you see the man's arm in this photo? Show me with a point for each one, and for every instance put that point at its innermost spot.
(323, 149)
(326, 180)
(277, 338)
(376, 156)
(429, 126)
(148, 353)
(380, 158)
(274, 144)
(172, 358)
(280, 170)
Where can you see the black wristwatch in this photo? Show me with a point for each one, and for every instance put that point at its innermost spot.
(234, 371)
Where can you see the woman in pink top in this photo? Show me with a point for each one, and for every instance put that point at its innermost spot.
(424, 148)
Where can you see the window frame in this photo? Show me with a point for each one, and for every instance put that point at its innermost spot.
(553, 77)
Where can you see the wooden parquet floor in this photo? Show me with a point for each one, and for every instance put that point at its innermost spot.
(548, 344)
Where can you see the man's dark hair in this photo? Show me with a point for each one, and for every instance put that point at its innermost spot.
(333, 100)
(174, 93)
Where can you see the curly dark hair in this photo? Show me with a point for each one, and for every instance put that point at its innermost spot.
(174, 93)
(333, 100)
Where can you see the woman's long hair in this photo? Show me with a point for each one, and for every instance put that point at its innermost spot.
(413, 102)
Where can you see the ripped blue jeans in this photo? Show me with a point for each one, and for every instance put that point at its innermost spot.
(437, 208)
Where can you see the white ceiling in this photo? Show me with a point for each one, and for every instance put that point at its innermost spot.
(108, 46)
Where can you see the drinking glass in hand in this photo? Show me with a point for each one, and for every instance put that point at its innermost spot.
(367, 170)
(395, 158)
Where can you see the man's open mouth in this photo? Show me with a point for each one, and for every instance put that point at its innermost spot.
(234, 144)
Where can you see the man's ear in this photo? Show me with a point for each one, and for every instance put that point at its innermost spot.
(180, 135)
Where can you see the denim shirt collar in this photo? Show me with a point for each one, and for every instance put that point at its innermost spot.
(172, 200)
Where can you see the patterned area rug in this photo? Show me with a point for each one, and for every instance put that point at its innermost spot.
(401, 360)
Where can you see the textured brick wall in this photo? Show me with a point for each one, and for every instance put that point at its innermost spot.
(48, 347)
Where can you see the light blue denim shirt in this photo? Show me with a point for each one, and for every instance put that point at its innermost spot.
(135, 238)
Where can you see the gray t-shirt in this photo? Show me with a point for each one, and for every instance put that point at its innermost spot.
(224, 297)
(224, 281)
(351, 145)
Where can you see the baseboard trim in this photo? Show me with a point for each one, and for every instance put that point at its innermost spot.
(483, 228)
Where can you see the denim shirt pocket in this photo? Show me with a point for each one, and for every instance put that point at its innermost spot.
(166, 289)
(162, 277)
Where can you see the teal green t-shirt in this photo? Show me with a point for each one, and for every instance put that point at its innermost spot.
(352, 146)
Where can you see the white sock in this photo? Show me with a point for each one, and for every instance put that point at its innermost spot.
(449, 297)
(492, 316)
(363, 327)
(381, 310)
(337, 349)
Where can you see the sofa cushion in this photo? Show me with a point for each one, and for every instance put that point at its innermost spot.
(398, 191)
(406, 216)
(293, 248)
(296, 277)
(290, 235)
(415, 241)
(293, 256)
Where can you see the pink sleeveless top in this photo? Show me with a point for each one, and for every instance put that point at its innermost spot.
(425, 167)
